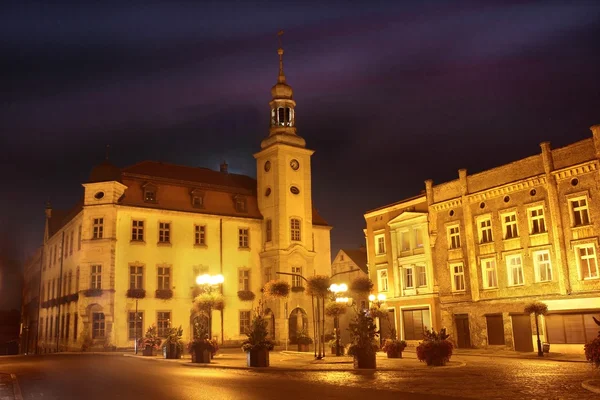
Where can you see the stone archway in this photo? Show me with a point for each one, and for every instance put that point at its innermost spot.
(297, 320)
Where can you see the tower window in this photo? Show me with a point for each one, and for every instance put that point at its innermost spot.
(281, 116)
(288, 116)
(295, 229)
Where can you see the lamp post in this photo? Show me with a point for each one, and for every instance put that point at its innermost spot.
(337, 290)
(208, 282)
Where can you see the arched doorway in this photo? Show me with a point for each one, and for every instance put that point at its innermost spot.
(298, 320)
(270, 318)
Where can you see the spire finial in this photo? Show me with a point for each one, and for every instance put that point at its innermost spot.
(107, 151)
(281, 78)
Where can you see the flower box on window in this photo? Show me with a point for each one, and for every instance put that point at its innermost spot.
(62, 300)
(164, 293)
(246, 295)
(52, 302)
(73, 297)
(136, 293)
(92, 292)
(45, 304)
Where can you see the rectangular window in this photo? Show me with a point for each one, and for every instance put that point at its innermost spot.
(75, 321)
(571, 328)
(485, 230)
(150, 194)
(98, 325)
(243, 238)
(197, 201)
(79, 238)
(409, 278)
(240, 204)
(200, 235)
(404, 241)
(421, 275)
(135, 324)
(136, 277)
(514, 267)
(580, 211)
(71, 243)
(244, 322)
(137, 231)
(415, 322)
(588, 263)
(295, 229)
(458, 277)
(297, 280)
(164, 232)
(163, 322)
(98, 228)
(164, 278)
(489, 273)
(542, 265)
(269, 230)
(68, 326)
(382, 280)
(268, 272)
(454, 237)
(244, 279)
(509, 221)
(419, 238)
(96, 277)
(62, 326)
(55, 254)
(380, 244)
(537, 221)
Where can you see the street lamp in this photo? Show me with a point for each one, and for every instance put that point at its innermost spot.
(337, 290)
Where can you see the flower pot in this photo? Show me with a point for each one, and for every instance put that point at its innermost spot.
(148, 351)
(365, 360)
(201, 356)
(171, 351)
(303, 347)
(546, 347)
(394, 354)
(258, 358)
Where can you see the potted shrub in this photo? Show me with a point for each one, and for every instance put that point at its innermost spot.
(173, 345)
(362, 335)
(537, 308)
(435, 349)
(303, 340)
(394, 348)
(257, 346)
(592, 349)
(202, 348)
(150, 342)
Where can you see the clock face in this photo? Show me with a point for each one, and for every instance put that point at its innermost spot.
(268, 166)
(294, 164)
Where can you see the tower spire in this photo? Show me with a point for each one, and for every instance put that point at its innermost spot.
(281, 78)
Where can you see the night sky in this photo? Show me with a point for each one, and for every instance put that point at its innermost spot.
(389, 93)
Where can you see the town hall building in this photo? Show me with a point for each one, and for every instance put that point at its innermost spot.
(127, 256)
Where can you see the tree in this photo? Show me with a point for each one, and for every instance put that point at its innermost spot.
(537, 308)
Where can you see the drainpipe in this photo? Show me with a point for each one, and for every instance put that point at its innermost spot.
(60, 277)
(221, 271)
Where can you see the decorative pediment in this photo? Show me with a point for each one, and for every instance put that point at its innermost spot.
(408, 216)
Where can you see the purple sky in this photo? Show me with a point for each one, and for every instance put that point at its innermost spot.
(389, 93)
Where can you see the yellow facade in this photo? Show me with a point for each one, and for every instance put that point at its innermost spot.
(155, 226)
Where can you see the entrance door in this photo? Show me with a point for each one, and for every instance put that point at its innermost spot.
(522, 332)
(463, 335)
(387, 326)
(495, 329)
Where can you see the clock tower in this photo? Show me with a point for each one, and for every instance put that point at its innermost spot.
(285, 197)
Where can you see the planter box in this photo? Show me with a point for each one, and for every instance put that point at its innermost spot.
(546, 347)
(149, 351)
(163, 294)
(365, 360)
(201, 356)
(258, 358)
(73, 297)
(136, 293)
(92, 292)
(394, 354)
(303, 347)
(170, 351)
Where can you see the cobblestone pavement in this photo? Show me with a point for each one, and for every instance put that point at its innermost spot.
(6, 387)
(480, 378)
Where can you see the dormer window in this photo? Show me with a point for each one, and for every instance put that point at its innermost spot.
(149, 193)
(197, 198)
(240, 204)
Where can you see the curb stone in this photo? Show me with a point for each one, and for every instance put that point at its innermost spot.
(588, 385)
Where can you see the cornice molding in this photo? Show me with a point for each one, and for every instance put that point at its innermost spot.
(575, 170)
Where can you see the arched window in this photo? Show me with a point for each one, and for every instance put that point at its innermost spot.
(295, 229)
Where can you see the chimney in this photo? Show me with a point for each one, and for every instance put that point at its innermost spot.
(223, 167)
